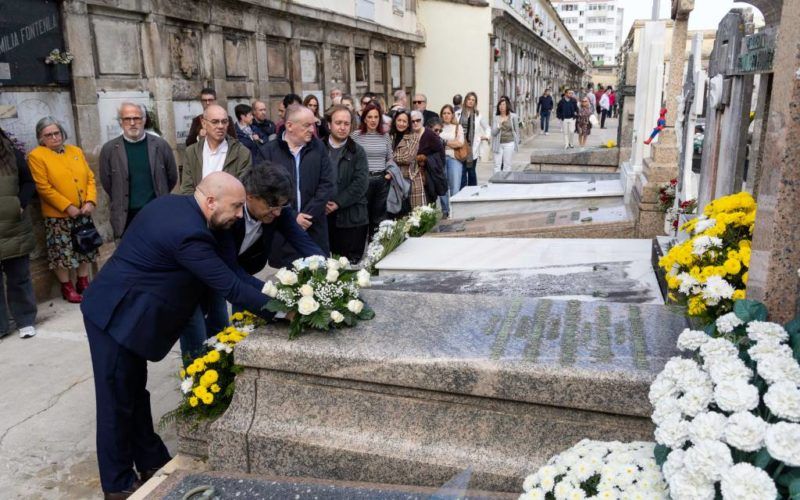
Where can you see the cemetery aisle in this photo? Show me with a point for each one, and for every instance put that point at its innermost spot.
(47, 439)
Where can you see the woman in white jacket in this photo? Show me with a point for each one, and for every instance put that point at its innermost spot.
(476, 129)
(505, 135)
(605, 107)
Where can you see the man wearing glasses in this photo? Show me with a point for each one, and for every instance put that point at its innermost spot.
(135, 168)
(208, 97)
(420, 103)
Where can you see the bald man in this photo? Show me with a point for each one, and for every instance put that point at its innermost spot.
(171, 254)
(313, 181)
(214, 152)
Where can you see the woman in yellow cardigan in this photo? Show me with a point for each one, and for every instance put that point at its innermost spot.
(68, 193)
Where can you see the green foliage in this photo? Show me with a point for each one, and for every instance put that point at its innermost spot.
(661, 453)
(750, 310)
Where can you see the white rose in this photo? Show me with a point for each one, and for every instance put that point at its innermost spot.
(783, 400)
(707, 426)
(333, 264)
(745, 482)
(736, 395)
(337, 317)
(691, 340)
(307, 290)
(745, 431)
(709, 459)
(286, 277)
(313, 264)
(270, 289)
(332, 275)
(299, 264)
(783, 442)
(363, 278)
(355, 306)
(344, 262)
(307, 305)
(764, 331)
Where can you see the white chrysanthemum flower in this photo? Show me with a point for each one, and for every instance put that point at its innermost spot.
(562, 489)
(745, 431)
(186, 385)
(530, 482)
(708, 426)
(727, 368)
(736, 395)
(687, 283)
(676, 368)
(704, 224)
(696, 399)
(664, 409)
(783, 442)
(701, 244)
(776, 368)
(746, 482)
(765, 331)
(683, 485)
(674, 463)
(718, 347)
(533, 494)
(691, 340)
(582, 470)
(709, 459)
(716, 289)
(764, 349)
(783, 400)
(672, 432)
(727, 322)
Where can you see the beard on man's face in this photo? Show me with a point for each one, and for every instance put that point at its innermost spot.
(216, 223)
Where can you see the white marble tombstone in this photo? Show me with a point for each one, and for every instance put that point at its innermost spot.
(689, 183)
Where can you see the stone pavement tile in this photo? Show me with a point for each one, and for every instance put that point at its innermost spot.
(47, 421)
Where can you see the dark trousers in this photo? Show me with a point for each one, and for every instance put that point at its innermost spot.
(377, 192)
(125, 434)
(347, 241)
(544, 119)
(208, 320)
(603, 115)
(469, 175)
(18, 294)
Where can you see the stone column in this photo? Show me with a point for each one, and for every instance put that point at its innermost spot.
(663, 165)
(157, 71)
(773, 276)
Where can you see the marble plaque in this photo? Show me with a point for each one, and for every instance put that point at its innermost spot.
(117, 46)
(395, 71)
(107, 106)
(309, 65)
(236, 57)
(29, 108)
(184, 112)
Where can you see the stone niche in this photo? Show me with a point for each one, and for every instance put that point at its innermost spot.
(117, 46)
(339, 69)
(237, 56)
(184, 50)
(277, 57)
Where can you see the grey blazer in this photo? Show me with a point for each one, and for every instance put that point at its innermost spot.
(398, 189)
(114, 175)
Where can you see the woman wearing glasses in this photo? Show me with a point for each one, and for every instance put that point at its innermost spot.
(68, 193)
(406, 144)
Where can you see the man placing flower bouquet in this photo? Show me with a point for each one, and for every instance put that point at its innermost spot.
(136, 308)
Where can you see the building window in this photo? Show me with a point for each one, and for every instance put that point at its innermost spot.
(362, 68)
(398, 7)
(365, 9)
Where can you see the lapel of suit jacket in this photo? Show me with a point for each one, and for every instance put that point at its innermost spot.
(152, 155)
(121, 158)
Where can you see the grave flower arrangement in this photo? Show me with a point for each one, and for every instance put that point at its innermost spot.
(708, 272)
(666, 195)
(319, 293)
(684, 207)
(728, 420)
(391, 233)
(57, 57)
(596, 469)
(207, 383)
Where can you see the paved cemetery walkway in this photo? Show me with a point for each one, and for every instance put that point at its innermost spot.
(47, 417)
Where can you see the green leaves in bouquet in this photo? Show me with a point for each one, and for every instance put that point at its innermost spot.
(661, 453)
(276, 306)
(793, 329)
(750, 310)
(366, 314)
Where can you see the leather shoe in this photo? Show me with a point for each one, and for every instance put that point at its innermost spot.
(122, 495)
(70, 294)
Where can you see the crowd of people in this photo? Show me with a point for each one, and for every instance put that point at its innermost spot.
(577, 112)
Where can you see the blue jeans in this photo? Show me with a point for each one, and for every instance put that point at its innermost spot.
(453, 168)
(544, 120)
(469, 175)
(19, 289)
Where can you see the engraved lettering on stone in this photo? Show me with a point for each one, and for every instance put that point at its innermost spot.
(638, 338)
(531, 351)
(499, 346)
(569, 341)
(602, 347)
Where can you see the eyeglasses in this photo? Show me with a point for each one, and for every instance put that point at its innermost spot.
(418, 120)
(277, 210)
(417, 102)
(52, 135)
(437, 131)
(208, 99)
(131, 119)
(217, 123)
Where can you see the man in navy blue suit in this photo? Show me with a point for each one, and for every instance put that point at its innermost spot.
(136, 307)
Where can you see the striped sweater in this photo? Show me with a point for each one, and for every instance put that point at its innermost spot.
(378, 148)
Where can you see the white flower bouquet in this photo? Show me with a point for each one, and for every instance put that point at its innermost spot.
(421, 220)
(321, 293)
(728, 420)
(595, 469)
(391, 233)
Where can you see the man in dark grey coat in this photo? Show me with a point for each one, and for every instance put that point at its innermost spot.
(135, 168)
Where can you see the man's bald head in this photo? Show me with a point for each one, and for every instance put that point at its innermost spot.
(299, 124)
(221, 198)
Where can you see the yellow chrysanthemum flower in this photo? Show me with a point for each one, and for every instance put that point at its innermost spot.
(732, 266)
(199, 391)
(215, 388)
(237, 317)
(673, 282)
(212, 356)
(208, 398)
(744, 277)
(739, 294)
(193, 401)
(696, 306)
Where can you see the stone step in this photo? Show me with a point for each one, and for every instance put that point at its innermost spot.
(437, 383)
(608, 157)
(500, 199)
(528, 177)
(593, 222)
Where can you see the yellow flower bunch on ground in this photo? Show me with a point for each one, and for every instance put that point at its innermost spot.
(708, 272)
(207, 383)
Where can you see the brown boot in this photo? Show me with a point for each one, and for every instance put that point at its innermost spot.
(70, 294)
(121, 495)
(82, 284)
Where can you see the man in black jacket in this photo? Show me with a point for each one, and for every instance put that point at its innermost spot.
(543, 108)
(567, 112)
(305, 158)
(262, 125)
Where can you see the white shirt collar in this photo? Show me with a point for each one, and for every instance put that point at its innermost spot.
(143, 137)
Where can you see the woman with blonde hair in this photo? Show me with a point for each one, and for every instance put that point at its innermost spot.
(476, 129)
(453, 137)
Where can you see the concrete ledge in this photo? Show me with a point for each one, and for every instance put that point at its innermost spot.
(608, 157)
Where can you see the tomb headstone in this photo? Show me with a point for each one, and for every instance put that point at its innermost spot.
(437, 383)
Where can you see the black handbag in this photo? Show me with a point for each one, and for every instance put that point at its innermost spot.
(85, 238)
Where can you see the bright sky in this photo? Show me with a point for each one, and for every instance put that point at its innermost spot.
(706, 14)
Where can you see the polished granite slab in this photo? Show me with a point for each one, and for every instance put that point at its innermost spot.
(527, 177)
